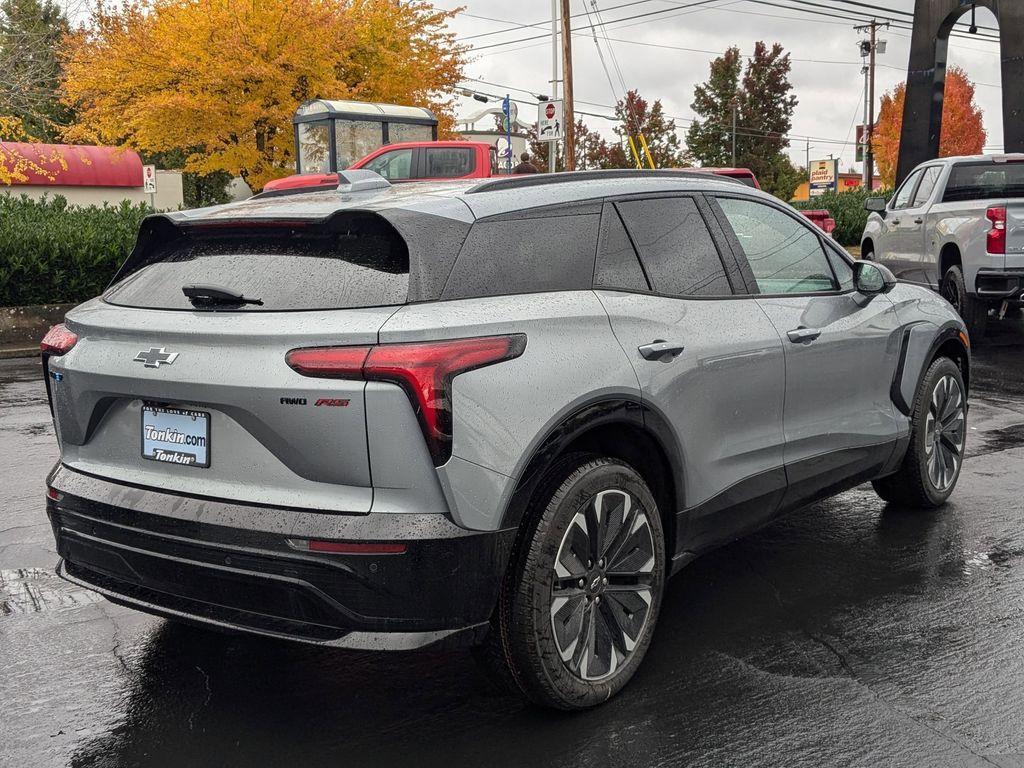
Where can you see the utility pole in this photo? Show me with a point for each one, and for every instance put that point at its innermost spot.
(569, 129)
(869, 146)
(733, 131)
(553, 145)
(864, 135)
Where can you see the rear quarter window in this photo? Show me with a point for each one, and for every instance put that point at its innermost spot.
(357, 261)
(527, 255)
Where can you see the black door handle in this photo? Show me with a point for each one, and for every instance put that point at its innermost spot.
(661, 350)
(919, 221)
(803, 335)
(895, 221)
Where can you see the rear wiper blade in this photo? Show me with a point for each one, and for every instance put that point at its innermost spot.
(216, 294)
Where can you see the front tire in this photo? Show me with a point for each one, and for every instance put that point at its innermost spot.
(972, 311)
(938, 435)
(578, 610)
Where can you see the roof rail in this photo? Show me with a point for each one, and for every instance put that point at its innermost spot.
(543, 179)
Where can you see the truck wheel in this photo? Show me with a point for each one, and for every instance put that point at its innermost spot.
(578, 608)
(973, 311)
(938, 435)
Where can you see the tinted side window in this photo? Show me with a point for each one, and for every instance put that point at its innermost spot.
(448, 162)
(678, 253)
(551, 253)
(785, 254)
(927, 186)
(617, 262)
(902, 199)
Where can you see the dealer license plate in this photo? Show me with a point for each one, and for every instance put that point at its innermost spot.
(176, 436)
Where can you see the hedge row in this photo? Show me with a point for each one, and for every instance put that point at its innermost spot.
(847, 208)
(55, 253)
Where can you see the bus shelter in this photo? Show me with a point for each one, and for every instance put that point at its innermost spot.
(331, 135)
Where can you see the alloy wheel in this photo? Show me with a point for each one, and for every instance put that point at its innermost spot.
(945, 433)
(602, 590)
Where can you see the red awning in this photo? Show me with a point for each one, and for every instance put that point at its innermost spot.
(56, 165)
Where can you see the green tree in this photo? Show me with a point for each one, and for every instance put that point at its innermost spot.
(764, 107)
(709, 138)
(30, 33)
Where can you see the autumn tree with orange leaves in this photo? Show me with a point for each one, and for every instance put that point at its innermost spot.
(963, 130)
(220, 79)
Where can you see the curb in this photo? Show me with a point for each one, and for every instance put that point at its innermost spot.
(17, 352)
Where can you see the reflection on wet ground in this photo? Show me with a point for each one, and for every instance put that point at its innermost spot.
(848, 633)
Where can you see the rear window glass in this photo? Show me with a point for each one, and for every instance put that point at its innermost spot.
(983, 181)
(531, 255)
(361, 263)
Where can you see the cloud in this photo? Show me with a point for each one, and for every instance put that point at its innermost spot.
(831, 94)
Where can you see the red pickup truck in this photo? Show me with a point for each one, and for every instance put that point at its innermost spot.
(410, 161)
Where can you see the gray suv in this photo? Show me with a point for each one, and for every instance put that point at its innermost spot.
(381, 417)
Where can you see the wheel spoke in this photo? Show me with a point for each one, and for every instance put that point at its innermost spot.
(603, 585)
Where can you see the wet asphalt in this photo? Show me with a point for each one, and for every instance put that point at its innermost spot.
(848, 633)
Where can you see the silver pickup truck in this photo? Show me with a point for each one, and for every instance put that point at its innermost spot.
(956, 225)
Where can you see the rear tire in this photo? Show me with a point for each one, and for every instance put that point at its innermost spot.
(938, 435)
(973, 311)
(578, 607)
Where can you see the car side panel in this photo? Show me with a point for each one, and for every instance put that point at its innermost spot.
(503, 412)
(723, 395)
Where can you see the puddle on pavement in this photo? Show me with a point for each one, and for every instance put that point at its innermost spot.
(995, 557)
(34, 590)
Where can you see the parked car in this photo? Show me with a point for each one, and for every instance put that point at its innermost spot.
(743, 175)
(501, 411)
(409, 161)
(956, 225)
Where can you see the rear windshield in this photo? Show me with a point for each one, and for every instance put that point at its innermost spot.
(358, 262)
(984, 181)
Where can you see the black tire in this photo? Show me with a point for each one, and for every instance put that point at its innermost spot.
(973, 311)
(868, 255)
(915, 484)
(523, 649)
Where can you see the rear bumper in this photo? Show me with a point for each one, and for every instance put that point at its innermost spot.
(236, 567)
(1007, 285)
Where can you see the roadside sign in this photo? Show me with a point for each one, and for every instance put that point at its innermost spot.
(149, 179)
(504, 147)
(550, 120)
(824, 176)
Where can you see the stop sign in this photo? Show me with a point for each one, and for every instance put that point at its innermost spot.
(549, 111)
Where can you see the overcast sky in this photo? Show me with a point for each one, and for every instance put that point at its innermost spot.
(826, 72)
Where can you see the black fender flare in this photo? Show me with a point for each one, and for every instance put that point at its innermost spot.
(625, 410)
(915, 358)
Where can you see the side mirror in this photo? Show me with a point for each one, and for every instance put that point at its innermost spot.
(875, 205)
(871, 278)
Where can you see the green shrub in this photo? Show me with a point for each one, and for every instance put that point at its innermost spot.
(847, 208)
(55, 253)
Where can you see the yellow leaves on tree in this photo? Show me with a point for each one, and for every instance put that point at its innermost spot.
(222, 78)
(963, 130)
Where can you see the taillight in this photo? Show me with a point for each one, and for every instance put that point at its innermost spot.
(997, 234)
(425, 370)
(58, 340)
(329, 362)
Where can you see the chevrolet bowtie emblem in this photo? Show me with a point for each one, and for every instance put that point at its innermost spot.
(155, 357)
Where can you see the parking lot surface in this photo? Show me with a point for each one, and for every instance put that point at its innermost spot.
(848, 633)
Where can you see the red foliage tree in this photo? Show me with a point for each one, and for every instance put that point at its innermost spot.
(963, 129)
